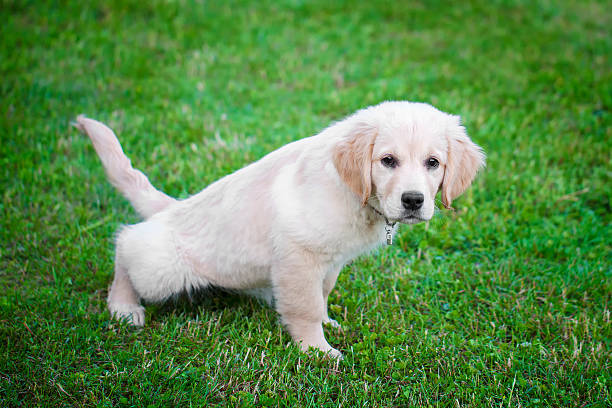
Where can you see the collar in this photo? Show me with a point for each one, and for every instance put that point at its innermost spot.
(388, 227)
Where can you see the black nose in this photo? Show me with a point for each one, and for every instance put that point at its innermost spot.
(412, 200)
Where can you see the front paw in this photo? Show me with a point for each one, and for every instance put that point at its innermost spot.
(325, 352)
(336, 354)
(131, 313)
(331, 322)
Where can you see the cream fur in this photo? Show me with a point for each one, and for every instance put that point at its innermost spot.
(283, 227)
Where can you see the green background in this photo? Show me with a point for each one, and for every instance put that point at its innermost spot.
(504, 302)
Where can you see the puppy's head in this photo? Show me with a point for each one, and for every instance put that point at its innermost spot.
(397, 155)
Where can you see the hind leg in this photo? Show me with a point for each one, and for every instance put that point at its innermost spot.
(123, 301)
(148, 267)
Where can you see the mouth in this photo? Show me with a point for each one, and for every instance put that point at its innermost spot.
(412, 219)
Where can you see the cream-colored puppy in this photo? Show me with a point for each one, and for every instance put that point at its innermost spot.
(283, 227)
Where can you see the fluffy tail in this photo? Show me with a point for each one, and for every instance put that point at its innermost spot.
(132, 183)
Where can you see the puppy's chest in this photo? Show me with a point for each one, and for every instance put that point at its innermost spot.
(354, 240)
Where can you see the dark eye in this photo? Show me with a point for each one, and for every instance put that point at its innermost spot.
(432, 163)
(389, 161)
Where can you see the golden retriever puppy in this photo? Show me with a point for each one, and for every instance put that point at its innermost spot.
(283, 227)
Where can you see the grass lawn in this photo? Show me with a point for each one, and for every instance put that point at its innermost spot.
(504, 302)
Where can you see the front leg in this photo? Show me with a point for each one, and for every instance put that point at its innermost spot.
(328, 284)
(298, 290)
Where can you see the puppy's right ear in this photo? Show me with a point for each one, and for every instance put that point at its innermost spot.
(352, 157)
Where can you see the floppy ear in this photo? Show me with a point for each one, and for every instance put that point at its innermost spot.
(352, 158)
(464, 159)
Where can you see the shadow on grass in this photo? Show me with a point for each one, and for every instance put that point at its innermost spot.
(212, 300)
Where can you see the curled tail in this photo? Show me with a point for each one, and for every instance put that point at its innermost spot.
(132, 183)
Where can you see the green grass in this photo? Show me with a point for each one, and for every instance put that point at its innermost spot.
(505, 302)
